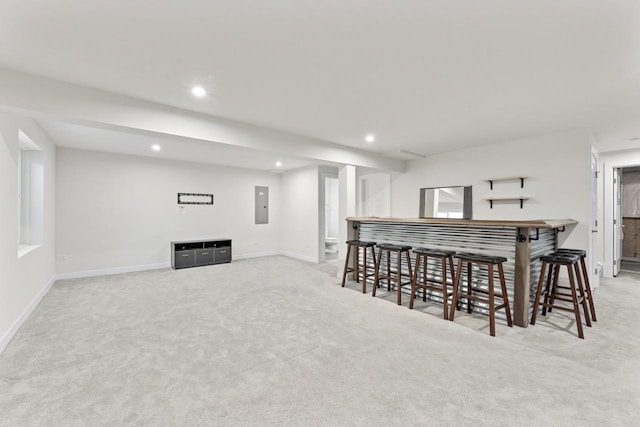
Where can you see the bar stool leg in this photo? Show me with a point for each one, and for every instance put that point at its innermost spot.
(492, 304)
(376, 282)
(469, 287)
(576, 309)
(445, 297)
(552, 281)
(399, 278)
(453, 277)
(346, 265)
(456, 285)
(585, 274)
(424, 275)
(414, 282)
(375, 265)
(505, 296)
(364, 272)
(357, 268)
(388, 254)
(536, 303)
(583, 295)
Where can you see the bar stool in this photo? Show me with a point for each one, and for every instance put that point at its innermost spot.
(490, 262)
(551, 292)
(585, 277)
(358, 245)
(424, 282)
(398, 250)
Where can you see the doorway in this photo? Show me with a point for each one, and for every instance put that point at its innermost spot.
(330, 218)
(628, 217)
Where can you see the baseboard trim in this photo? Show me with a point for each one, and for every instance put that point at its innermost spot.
(274, 253)
(110, 271)
(300, 257)
(256, 255)
(145, 267)
(13, 330)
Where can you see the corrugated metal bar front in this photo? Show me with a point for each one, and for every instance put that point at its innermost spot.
(496, 241)
(543, 246)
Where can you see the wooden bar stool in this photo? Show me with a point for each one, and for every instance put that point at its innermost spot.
(386, 250)
(585, 277)
(357, 246)
(433, 283)
(490, 262)
(551, 289)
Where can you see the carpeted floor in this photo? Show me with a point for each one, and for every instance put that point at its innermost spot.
(276, 342)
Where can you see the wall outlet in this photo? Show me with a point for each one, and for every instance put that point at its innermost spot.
(62, 257)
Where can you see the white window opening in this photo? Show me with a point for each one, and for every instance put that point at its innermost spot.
(30, 194)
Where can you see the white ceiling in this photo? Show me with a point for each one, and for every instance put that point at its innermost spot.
(424, 76)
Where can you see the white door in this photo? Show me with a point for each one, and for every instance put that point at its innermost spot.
(617, 221)
(593, 250)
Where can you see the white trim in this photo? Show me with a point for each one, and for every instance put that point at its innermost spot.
(145, 267)
(115, 270)
(300, 257)
(13, 330)
(256, 254)
(25, 249)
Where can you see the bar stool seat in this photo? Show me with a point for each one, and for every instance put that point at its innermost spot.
(386, 249)
(585, 277)
(489, 259)
(434, 284)
(490, 262)
(551, 290)
(389, 246)
(358, 268)
(434, 252)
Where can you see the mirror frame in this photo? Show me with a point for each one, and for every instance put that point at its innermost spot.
(467, 201)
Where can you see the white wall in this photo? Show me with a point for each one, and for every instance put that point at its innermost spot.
(557, 167)
(24, 280)
(374, 194)
(120, 212)
(300, 223)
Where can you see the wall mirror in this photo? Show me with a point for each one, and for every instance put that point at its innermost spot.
(446, 202)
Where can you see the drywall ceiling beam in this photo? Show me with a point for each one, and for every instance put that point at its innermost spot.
(82, 105)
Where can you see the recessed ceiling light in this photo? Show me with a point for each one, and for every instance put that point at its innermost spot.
(278, 163)
(198, 91)
(370, 138)
(156, 147)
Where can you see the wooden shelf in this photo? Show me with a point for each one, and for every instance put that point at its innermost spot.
(511, 178)
(506, 199)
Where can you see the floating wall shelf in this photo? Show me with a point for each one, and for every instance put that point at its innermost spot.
(514, 178)
(507, 199)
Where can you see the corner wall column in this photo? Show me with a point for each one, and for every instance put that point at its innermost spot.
(347, 208)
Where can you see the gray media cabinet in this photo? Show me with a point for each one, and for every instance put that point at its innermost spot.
(195, 253)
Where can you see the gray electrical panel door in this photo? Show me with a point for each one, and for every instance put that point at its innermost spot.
(262, 205)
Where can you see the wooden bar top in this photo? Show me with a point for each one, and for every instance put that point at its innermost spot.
(536, 223)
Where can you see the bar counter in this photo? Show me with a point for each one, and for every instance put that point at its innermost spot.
(521, 242)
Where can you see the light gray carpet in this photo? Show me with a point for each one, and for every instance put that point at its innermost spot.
(275, 341)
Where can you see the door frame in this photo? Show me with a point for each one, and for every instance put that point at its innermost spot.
(611, 161)
(617, 220)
